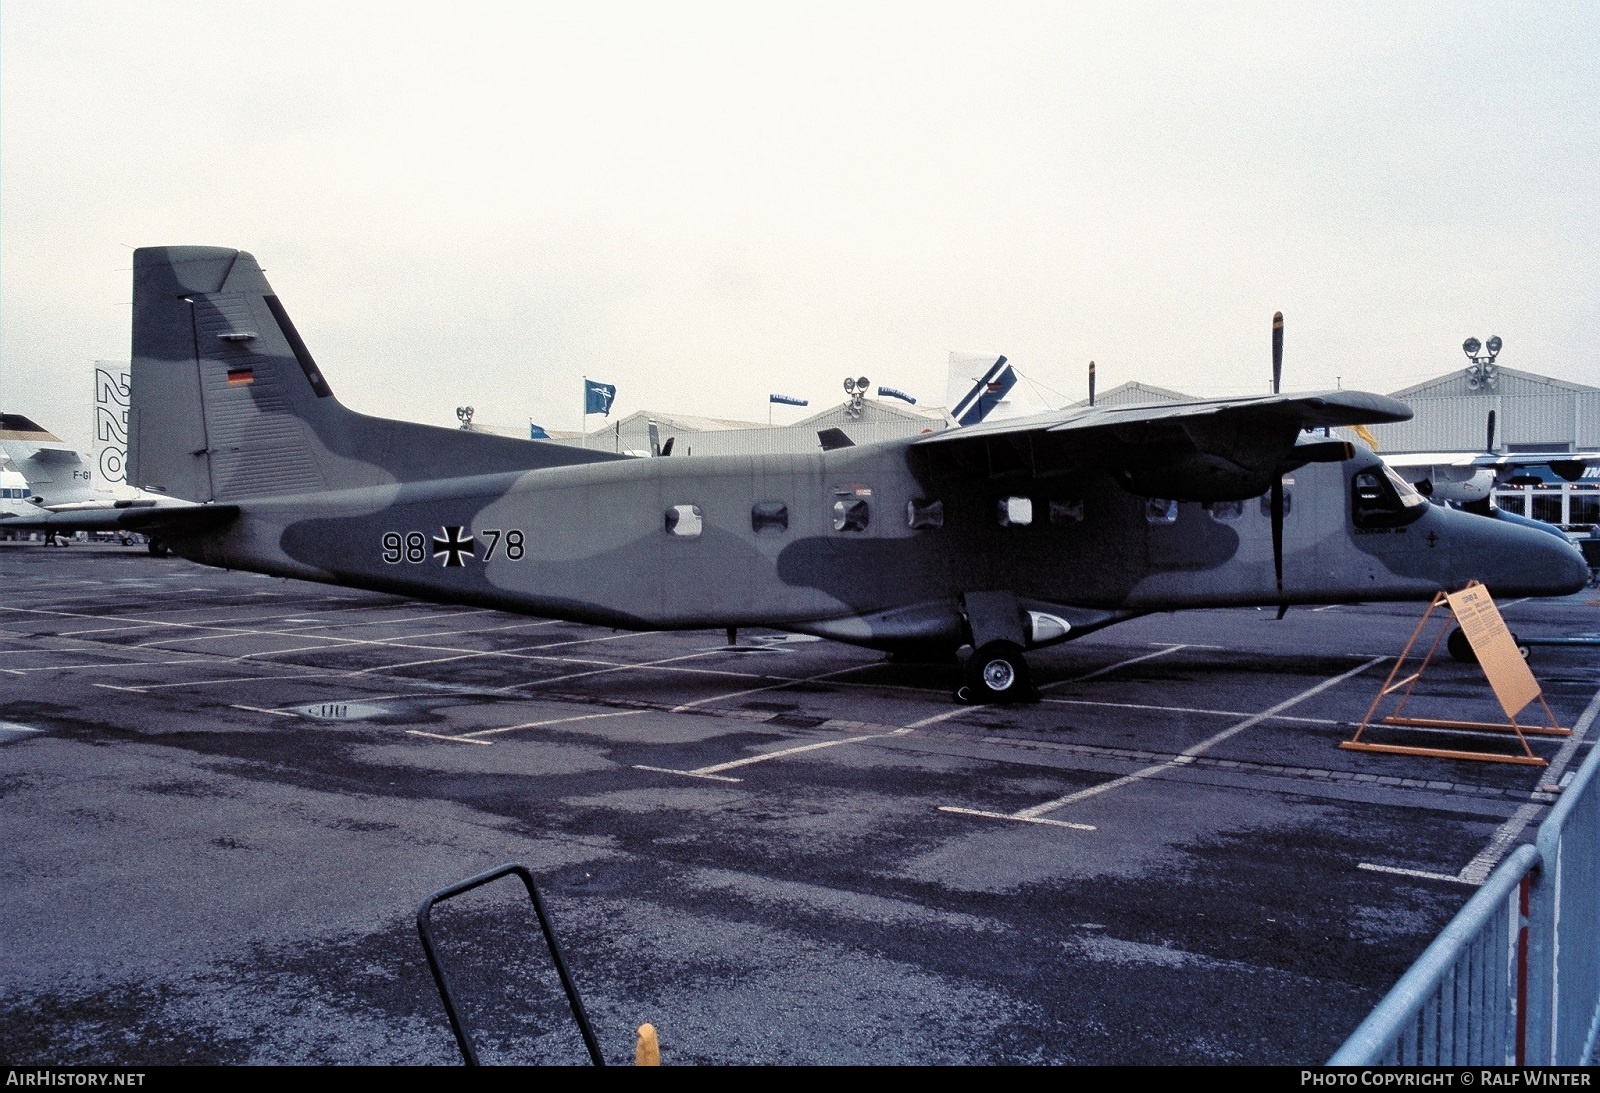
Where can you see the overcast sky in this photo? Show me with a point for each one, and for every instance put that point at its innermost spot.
(479, 203)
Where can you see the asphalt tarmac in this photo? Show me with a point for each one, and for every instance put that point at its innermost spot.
(225, 795)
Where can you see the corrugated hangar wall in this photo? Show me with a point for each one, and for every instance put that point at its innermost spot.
(1531, 412)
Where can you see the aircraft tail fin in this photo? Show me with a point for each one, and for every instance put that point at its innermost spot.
(984, 387)
(55, 471)
(228, 403)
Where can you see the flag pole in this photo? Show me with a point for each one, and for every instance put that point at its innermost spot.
(583, 419)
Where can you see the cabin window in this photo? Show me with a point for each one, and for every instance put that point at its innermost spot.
(1015, 512)
(1159, 510)
(1382, 499)
(1066, 512)
(850, 515)
(1224, 510)
(924, 514)
(685, 520)
(769, 516)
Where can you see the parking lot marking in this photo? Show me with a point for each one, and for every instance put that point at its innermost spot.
(259, 709)
(687, 773)
(1184, 758)
(1421, 873)
(1188, 754)
(1108, 669)
(1013, 816)
(1478, 869)
(1189, 709)
(542, 724)
(442, 736)
(783, 682)
(716, 768)
(102, 664)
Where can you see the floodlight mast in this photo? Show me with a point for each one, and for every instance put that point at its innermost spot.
(1481, 372)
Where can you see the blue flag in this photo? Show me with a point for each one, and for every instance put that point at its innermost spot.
(597, 397)
(788, 400)
(536, 432)
(894, 392)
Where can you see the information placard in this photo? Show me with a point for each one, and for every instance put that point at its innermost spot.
(1486, 632)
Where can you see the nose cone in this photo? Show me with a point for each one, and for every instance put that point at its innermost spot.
(1515, 560)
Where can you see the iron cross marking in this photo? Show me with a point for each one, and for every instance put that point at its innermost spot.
(452, 543)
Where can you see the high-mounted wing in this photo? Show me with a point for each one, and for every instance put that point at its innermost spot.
(1204, 450)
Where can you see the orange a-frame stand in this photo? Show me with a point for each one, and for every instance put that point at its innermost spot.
(1502, 664)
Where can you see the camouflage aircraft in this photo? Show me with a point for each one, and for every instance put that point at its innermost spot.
(1004, 536)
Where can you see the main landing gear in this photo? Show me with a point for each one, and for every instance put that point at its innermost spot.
(997, 672)
(1461, 649)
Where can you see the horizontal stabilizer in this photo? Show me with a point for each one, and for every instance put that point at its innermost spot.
(170, 519)
(834, 439)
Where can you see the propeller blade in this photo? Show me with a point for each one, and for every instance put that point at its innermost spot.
(1489, 446)
(1091, 383)
(1277, 542)
(1277, 483)
(1277, 350)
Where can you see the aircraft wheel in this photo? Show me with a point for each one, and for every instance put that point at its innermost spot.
(1461, 649)
(159, 549)
(998, 673)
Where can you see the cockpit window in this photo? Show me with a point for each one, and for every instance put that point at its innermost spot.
(1379, 498)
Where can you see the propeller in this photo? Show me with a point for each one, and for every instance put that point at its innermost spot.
(1091, 383)
(1277, 483)
(1484, 506)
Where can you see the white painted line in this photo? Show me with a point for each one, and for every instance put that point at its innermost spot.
(114, 687)
(440, 736)
(1328, 607)
(1113, 667)
(1189, 754)
(784, 682)
(1010, 816)
(938, 717)
(230, 679)
(820, 745)
(260, 709)
(596, 672)
(1186, 709)
(1478, 869)
(687, 773)
(543, 724)
(1421, 873)
(103, 664)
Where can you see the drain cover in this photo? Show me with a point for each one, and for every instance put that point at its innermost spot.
(339, 711)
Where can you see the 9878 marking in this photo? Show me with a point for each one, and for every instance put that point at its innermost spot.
(452, 546)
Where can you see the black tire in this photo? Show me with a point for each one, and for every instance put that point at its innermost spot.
(1461, 649)
(999, 673)
(160, 549)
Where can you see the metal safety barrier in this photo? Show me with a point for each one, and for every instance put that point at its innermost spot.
(1514, 978)
(1564, 995)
